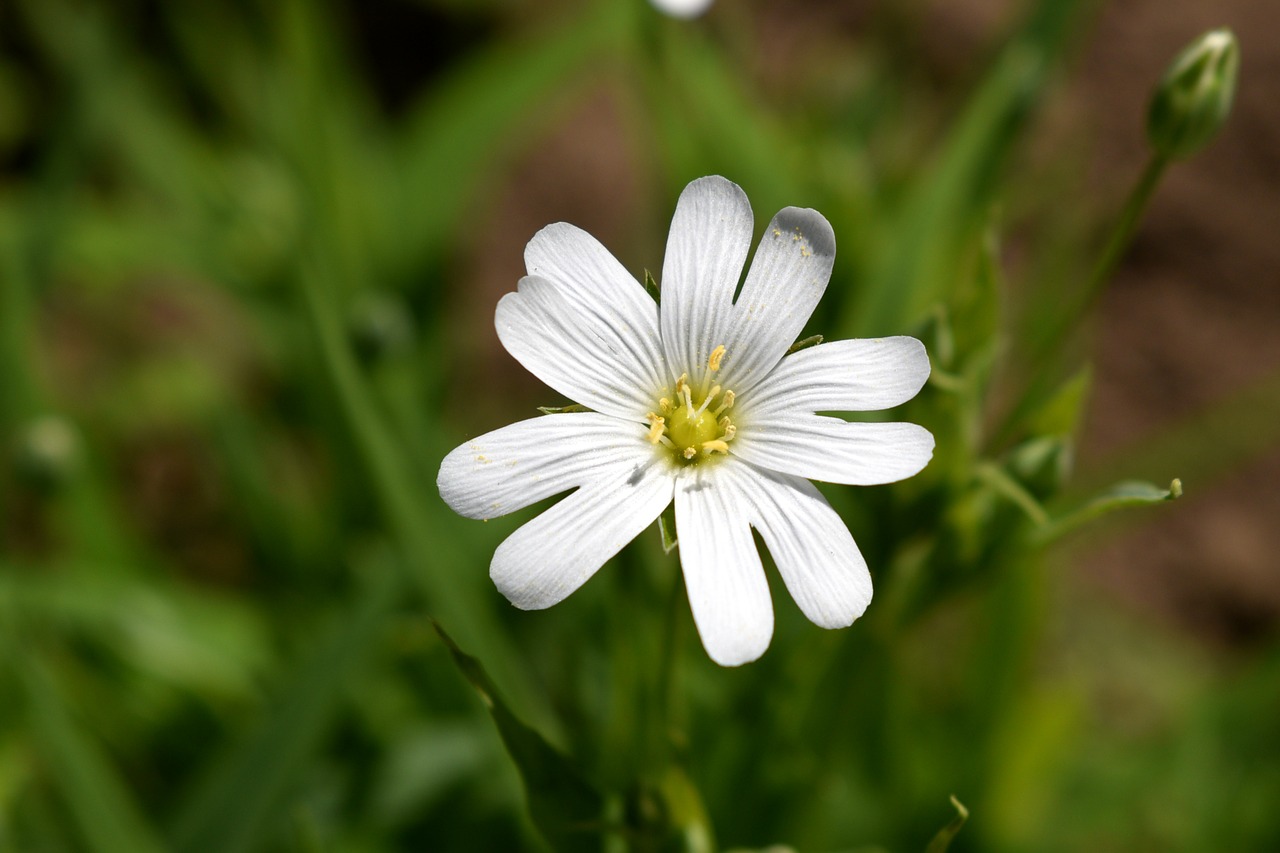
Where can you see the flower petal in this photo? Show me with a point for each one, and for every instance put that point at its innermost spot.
(510, 468)
(599, 286)
(843, 376)
(813, 549)
(834, 451)
(551, 556)
(706, 248)
(728, 592)
(593, 352)
(788, 276)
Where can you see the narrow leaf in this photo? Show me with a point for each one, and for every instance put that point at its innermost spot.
(101, 805)
(564, 807)
(234, 807)
(1120, 496)
(943, 839)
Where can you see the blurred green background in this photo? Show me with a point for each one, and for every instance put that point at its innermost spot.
(249, 256)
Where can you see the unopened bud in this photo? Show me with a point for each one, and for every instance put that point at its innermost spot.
(381, 328)
(47, 453)
(1192, 101)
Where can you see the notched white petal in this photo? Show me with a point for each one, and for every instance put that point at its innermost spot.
(520, 464)
(551, 556)
(788, 276)
(811, 546)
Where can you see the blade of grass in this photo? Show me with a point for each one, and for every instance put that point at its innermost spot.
(948, 203)
(101, 805)
(232, 809)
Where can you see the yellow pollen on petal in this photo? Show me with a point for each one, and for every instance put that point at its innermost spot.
(717, 356)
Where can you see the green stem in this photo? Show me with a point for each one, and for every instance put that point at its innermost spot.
(1047, 349)
(661, 729)
(1122, 235)
(433, 557)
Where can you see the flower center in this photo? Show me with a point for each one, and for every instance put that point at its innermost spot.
(694, 425)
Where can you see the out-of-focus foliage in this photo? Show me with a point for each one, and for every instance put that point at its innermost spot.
(229, 261)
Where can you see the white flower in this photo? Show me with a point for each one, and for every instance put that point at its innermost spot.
(696, 399)
(682, 8)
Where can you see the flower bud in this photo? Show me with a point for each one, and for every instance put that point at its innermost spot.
(47, 453)
(1194, 98)
(381, 328)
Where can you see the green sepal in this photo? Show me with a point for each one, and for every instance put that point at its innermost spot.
(566, 809)
(1194, 99)
(943, 839)
(651, 287)
(563, 410)
(805, 343)
(667, 529)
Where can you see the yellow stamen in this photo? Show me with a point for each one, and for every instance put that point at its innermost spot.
(726, 403)
(690, 452)
(682, 388)
(729, 432)
(717, 356)
(657, 426)
(665, 405)
(711, 395)
(714, 446)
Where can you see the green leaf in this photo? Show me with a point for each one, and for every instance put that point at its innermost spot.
(1060, 414)
(233, 808)
(101, 805)
(565, 808)
(943, 839)
(1120, 496)
(455, 134)
(941, 210)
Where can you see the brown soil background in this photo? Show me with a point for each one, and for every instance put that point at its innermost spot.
(1191, 317)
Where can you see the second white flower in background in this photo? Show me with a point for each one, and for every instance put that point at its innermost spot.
(696, 400)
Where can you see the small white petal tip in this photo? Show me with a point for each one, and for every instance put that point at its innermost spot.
(682, 8)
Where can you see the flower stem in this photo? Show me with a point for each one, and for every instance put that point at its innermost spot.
(1049, 345)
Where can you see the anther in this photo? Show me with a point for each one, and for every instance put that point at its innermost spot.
(690, 452)
(725, 403)
(717, 356)
(713, 446)
(711, 395)
(682, 388)
(665, 405)
(729, 432)
(657, 425)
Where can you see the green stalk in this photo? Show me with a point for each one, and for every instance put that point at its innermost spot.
(1047, 350)
(429, 549)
